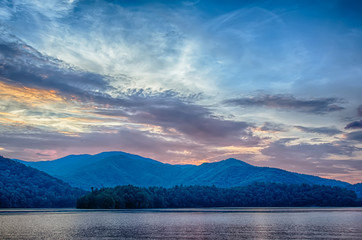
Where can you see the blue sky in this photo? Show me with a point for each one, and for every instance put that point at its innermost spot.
(273, 83)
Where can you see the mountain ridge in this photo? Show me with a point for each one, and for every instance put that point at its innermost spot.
(109, 169)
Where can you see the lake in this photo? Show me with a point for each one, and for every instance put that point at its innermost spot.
(210, 223)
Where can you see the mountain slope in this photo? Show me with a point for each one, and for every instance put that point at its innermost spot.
(232, 172)
(24, 186)
(118, 168)
(65, 165)
(108, 169)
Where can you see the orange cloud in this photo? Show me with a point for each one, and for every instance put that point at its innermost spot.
(48, 110)
(29, 96)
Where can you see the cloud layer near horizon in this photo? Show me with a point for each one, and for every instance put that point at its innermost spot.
(186, 82)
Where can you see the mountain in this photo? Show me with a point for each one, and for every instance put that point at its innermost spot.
(24, 186)
(110, 169)
(107, 169)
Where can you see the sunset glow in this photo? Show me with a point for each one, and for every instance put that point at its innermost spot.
(273, 84)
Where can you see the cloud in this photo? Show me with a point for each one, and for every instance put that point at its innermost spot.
(108, 38)
(38, 145)
(330, 131)
(197, 122)
(28, 96)
(356, 136)
(354, 125)
(50, 9)
(47, 109)
(62, 98)
(359, 110)
(289, 102)
(182, 117)
(274, 127)
(25, 65)
(284, 150)
(317, 159)
(353, 164)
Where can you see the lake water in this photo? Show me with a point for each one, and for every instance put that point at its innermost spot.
(210, 223)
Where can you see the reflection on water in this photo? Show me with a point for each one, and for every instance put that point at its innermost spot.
(213, 223)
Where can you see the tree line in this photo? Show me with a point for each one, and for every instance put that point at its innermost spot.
(254, 195)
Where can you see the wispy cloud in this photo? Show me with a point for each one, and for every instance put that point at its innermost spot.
(330, 131)
(274, 127)
(289, 102)
(326, 159)
(304, 151)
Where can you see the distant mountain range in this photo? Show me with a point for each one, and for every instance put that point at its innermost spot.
(110, 169)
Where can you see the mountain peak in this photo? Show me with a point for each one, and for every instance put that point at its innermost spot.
(230, 162)
(234, 161)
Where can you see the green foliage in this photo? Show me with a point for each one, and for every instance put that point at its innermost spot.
(22, 186)
(254, 195)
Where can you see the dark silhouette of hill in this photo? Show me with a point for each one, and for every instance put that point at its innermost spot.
(23, 186)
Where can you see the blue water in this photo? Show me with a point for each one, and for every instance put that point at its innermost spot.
(211, 223)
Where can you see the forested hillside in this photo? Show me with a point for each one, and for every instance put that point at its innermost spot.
(357, 188)
(254, 195)
(23, 186)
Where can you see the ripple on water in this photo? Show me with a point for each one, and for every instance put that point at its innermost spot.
(215, 223)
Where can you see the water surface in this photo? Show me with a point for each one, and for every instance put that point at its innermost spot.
(210, 223)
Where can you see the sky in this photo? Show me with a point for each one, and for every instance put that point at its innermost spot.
(272, 83)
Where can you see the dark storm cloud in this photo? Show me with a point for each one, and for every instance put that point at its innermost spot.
(289, 102)
(320, 130)
(354, 125)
